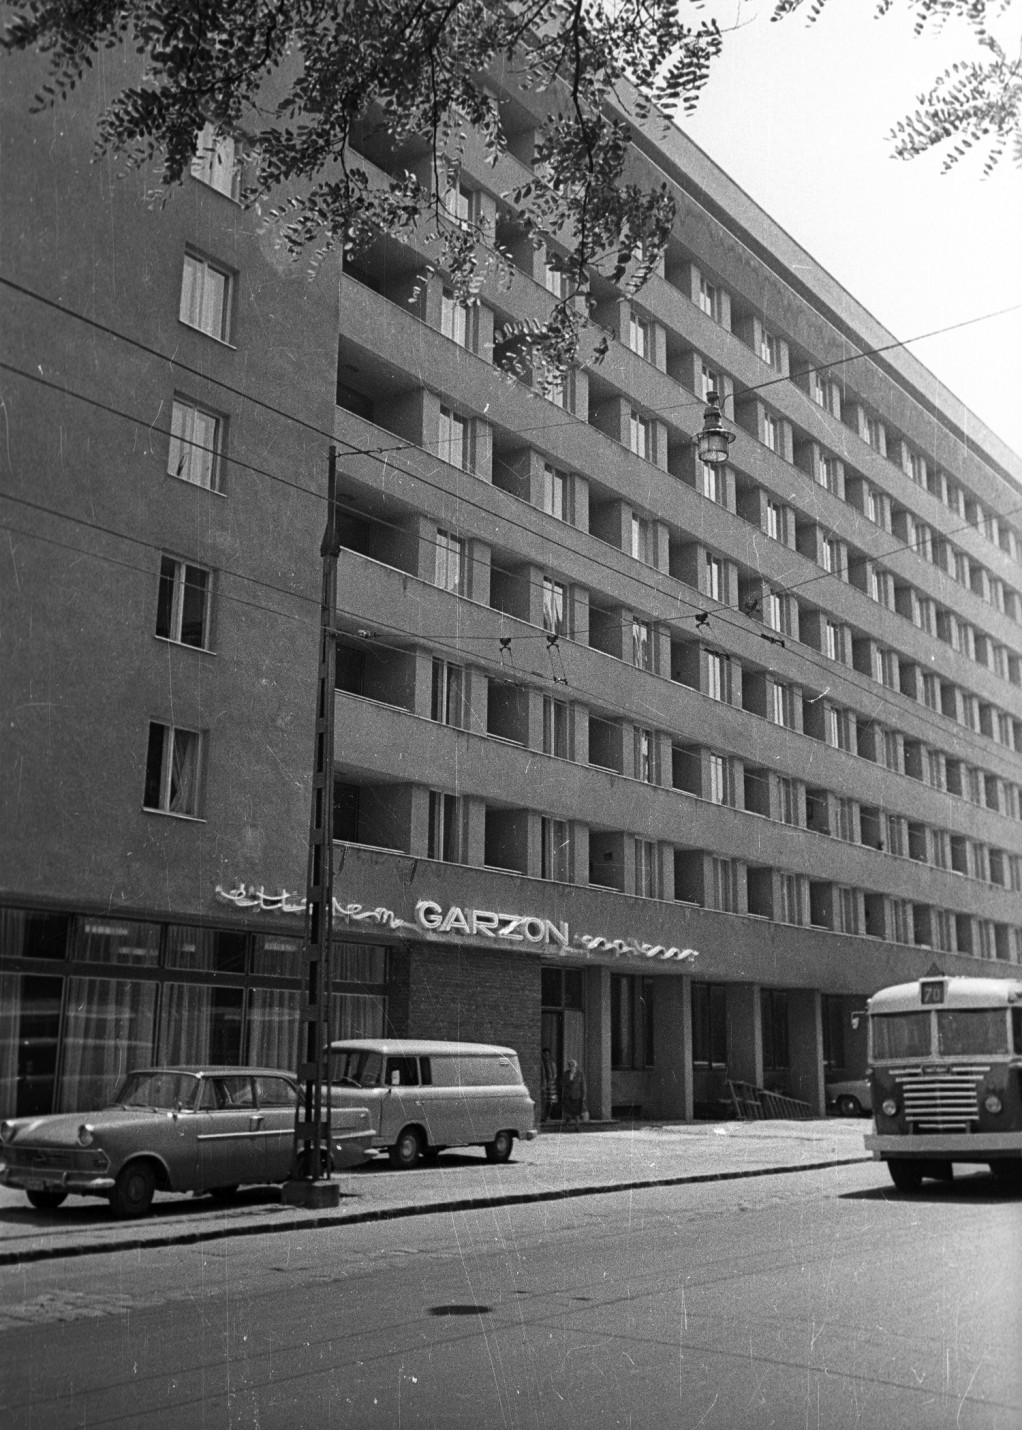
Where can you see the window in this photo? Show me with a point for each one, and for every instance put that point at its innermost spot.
(644, 755)
(642, 644)
(555, 492)
(457, 201)
(770, 431)
(555, 727)
(645, 869)
(195, 441)
(631, 1021)
(831, 552)
(553, 607)
(444, 842)
(930, 689)
(833, 641)
(721, 775)
(709, 299)
(891, 750)
(871, 504)
(714, 484)
(775, 521)
(845, 819)
(718, 677)
(453, 318)
(556, 862)
(181, 604)
(639, 435)
(887, 668)
(642, 539)
(450, 562)
(448, 693)
(790, 909)
(215, 162)
(775, 612)
(916, 468)
(839, 728)
(935, 769)
(781, 704)
(873, 433)
(205, 297)
(709, 1024)
(640, 335)
(554, 280)
(714, 578)
(452, 445)
(847, 910)
(172, 770)
(901, 921)
(723, 885)
(774, 1019)
(827, 473)
(826, 394)
(787, 801)
(895, 834)
(769, 349)
(709, 381)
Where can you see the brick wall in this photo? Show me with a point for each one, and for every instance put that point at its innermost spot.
(478, 997)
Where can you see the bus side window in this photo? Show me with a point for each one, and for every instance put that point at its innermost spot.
(402, 1072)
(425, 1072)
(1016, 1029)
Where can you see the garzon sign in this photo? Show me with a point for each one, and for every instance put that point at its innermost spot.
(434, 922)
(517, 928)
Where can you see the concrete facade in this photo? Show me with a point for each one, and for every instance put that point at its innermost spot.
(670, 773)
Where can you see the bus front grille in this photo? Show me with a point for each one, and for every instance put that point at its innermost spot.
(944, 1101)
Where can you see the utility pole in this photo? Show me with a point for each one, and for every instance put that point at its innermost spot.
(311, 1184)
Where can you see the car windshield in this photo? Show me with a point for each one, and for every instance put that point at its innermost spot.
(358, 1069)
(977, 1031)
(168, 1090)
(900, 1035)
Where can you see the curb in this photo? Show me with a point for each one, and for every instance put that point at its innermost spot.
(454, 1204)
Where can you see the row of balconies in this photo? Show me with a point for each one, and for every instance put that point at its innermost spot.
(493, 450)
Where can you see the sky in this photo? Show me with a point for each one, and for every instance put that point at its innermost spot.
(798, 116)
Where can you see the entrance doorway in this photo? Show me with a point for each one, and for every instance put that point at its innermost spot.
(562, 1031)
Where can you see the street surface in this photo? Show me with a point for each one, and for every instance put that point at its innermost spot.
(815, 1299)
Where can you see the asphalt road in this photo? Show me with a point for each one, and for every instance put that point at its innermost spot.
(821, 1299)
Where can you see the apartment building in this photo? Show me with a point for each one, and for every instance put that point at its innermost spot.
(660, 765)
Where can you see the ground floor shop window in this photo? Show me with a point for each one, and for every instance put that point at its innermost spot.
(774, 1013)
(833, 1017)
(631, 1022)
(108, 1031)
(29, 1042)
(709, 1025)
(200, 1024)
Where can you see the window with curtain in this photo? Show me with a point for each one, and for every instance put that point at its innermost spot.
(108, 1031)
(200, 1024)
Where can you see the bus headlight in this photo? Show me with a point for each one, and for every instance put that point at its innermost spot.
(6, 1131)
(889, 1107)
(992, 1103)
(86, 1136)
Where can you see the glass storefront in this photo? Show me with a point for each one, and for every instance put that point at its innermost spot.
(84, 999)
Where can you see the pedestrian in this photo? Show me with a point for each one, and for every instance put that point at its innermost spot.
(548, 1088)
(573, 1094)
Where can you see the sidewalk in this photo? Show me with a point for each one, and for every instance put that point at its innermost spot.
(600, 1158)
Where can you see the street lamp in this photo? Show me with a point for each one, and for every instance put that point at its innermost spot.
(714, 440)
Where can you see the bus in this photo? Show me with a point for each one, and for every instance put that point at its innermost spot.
(945, 1067)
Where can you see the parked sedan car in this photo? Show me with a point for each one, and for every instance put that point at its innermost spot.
(851, 1098)
(178, 1129)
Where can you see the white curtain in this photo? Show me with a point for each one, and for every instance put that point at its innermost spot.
(108, 1032)
(186, 1024)
(356, 1015)
(273, 1028)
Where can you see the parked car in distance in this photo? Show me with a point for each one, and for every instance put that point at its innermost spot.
(425, 1096)
(176, 1129)
(851, 1098)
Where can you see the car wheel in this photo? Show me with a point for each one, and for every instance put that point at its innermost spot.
(499, 1150)
(223, 1194)
(45, 1201)
(133, 1191)
(906, 1176)
(849, 1106)
(405, 1151)
(1007, 1174)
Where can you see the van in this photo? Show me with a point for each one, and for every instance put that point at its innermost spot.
(425, 1096)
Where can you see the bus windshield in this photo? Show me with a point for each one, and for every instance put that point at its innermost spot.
(900, 1035)
(356, 1069)
(972, 1031)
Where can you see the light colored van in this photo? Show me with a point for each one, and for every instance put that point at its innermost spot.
(425, 1096)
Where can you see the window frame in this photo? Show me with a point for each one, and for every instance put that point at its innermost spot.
(196, 305)
(165, 760)
(174, 609)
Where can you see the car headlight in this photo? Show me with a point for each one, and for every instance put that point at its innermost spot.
(86, 1136)
(6, 1131)
(993, 1103)
(889, 1107)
